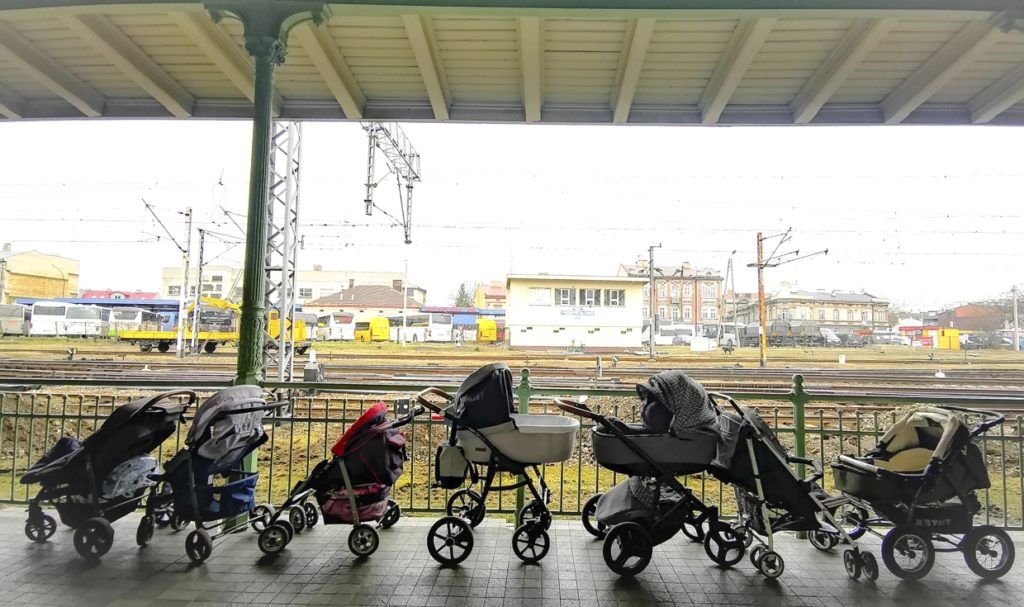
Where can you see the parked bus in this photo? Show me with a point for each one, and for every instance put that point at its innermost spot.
(14, 319)
(486, 330)
(134, 319)
(338, 326)
(48, 318)
(420, 328)
(375, 329)
(87, 321)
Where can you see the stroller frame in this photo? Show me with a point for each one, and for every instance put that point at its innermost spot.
(466, 508)
(637, 541)
(199, 543)
(94, 535)
(908, 522)
(276, 529)
(768, 562)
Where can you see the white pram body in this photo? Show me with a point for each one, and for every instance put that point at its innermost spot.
(526, 439)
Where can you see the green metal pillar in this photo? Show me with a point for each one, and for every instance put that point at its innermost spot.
(799, 398)
(267, 23)
(525, 392)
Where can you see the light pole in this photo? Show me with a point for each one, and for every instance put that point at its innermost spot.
(64, 280)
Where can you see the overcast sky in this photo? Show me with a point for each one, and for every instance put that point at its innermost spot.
(925, 216)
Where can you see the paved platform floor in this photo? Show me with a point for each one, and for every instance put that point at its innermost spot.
(317, 569)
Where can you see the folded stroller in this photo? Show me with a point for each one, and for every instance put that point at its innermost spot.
(922, 478)
(770, 497)
(208, 486)
(487, 437)
(677, 437)
(352, 488)
(97, 481)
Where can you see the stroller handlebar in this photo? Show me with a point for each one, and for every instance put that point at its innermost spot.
(819, 470)
(266, 407)
(576, 407)
(990, 419)
(421, 398)
(407, 419)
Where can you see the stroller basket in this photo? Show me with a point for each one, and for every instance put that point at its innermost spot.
(217, 502)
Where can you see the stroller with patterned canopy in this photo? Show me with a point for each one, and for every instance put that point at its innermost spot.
(351, 488)
(101, 479)
(677, 437)
(488, 437)
(209, 486)
(922, 478)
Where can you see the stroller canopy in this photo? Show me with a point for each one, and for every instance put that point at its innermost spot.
(485, 398)
(675, 402)
(216, 433)
(371, 417)
(920, 436)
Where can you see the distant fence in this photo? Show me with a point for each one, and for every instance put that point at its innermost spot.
(817, 426)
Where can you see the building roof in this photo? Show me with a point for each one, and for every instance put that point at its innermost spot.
(494, 290)
(574, 277)
(661, 271)
(702, 62)
(825, 297)
(365, 296)
(972, 311)
(109, 294)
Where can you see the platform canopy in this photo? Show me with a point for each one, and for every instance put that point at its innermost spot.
(562, 61)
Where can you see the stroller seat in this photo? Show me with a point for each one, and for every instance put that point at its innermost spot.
(911, 460)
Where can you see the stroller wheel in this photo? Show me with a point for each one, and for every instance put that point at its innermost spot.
(908, 553)
(40, 529)
(297, 517)
(94, 537)
(162, 516)
(988, 551)
(869, 566)
(450, 541)
(723, 545)
(363, 540)
(273, 539)
(627, 549)
(851, 563)
(391, 515)
(743, 533)
(531, 542)
(531, 511)
(287, 526)
(144, 533)
(593, 526)
(851, 518)
(696, 524)
(770, 564)
(755, 554)
(198, 546)
(312, 514)
(260, 516)
(179, 522)
(467, 504)
(823, 540)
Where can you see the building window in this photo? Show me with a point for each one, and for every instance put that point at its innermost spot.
(615, 298)
(540, 296)
(174, 291)
(785, 313)
(863, 315)
(662, 312)
(821, 314)
(835, 314)
(306, 293)
(661, 289)
(849, 315)
(217, 278)
(565, 297)
(647, 290)
(192, 290)
(647, 312)
(803, 313)
(708, 291)
(710, 313)
(687, 313)
(675, 313)
(590, 297)
(688, 290)
(675, 289)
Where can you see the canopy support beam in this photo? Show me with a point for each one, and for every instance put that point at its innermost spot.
(12, 105)
(333, 68)
(636, 55)
(532, 56)
(997, 97)
(429, 65)
(746, 41)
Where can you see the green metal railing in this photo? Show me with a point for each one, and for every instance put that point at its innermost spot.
(814, 425)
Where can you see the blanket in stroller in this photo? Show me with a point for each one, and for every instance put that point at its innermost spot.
(675, 402)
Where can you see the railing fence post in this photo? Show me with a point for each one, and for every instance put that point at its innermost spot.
(525, 391)
(799, 398)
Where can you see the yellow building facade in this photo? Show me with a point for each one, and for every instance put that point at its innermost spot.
(39, 275)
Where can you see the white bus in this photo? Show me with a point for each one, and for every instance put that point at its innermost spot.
(420, 328)
(87, 321)
(338, 326)
(13, 319)
(48, 318)
(134, 319)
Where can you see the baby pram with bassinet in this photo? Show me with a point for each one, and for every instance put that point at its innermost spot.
(923, 478)
(678, 437)
(351, 488)
(97, 481)
(488, 437)
(209, 486)
(771, 497)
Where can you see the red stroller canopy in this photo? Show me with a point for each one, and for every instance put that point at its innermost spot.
(365, 420)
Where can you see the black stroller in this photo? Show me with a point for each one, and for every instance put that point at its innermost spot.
(97, 481)
(488, 437)
(923, 478)
(208, 486)
(771, 498)
(351, 488)
(678, 437)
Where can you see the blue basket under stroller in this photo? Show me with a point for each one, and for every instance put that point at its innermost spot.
(209, 486)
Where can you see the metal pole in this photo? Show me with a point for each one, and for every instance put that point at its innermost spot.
(179, 346)
(250, 343)
(199, 293)
(760, 302)
(735, 308)
(1016, 325)
(405, 302)
(652, 300)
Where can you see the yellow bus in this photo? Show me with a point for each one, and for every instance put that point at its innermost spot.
(375, 329)
(486, 330)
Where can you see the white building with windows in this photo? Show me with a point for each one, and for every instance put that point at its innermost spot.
(602, 313)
